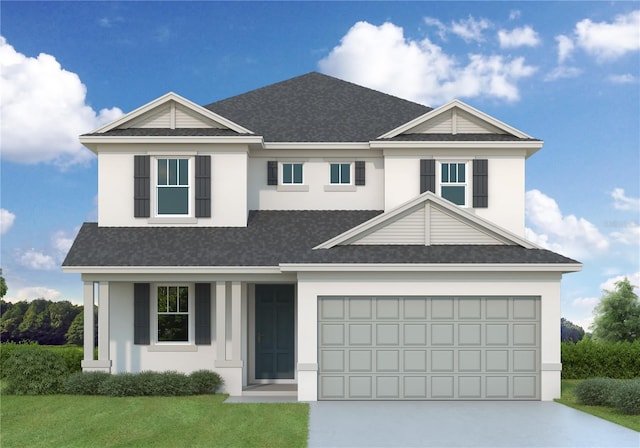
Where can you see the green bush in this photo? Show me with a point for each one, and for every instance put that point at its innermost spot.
(7, 348)
(165, 384)
(596, 391)
(626, 397)
(589, 359)
(87, 383)
(205, 382)
(121, 385)
(34, 371)
(71, 354)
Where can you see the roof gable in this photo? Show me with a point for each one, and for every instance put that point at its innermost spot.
(318, 108)
(427, 220)
(171, 111)
(454, 118)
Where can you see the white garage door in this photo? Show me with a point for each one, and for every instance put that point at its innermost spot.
(429, 348)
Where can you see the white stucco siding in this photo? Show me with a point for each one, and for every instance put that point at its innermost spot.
(544, 285)
(228, 190)
(313, 194)
(506, 183)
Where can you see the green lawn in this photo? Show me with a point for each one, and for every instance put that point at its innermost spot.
(568, 398)
(196, 421)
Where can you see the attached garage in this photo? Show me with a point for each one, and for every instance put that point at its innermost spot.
(429, 348)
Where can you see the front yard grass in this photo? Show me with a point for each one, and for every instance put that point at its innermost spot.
(607, 413)
(195, 421)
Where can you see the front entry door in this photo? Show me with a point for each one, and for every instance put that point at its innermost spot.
(274, 338)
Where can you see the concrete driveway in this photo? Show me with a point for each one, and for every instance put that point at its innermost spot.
(461, 424)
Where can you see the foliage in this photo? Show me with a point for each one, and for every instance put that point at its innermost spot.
(34, 371)
(43, 321)
(205, 382)
(85, 383)
(596, 391)
(570, 332)
(158, 422)
(568, 398)
(71, 355)
(590, 359)
(3, 286)
(626, 397)
(617, 316)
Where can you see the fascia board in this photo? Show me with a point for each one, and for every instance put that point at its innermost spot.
(317, 145)
(171, 96)
(432, 144)
(448, 106)
(92, 140)
(168, 270)
(431, 267)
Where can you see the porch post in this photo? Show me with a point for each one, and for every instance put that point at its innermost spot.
(103, 363)
(103, 322)
(221, 322)
(89, 326)
(236, 321)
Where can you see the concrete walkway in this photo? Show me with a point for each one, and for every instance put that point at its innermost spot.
(461, 424)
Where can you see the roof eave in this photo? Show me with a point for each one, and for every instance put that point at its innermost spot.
(431, 267)
(92, 141)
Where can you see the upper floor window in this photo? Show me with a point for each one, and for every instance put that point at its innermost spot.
(340, 173)
(173, 313)
(453, 182)
(173, 187)
(292, 173)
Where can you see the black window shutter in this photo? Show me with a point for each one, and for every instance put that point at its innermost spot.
(427, 175)
(272, 172)
(141, 314)
(142, 186)
(203, 186)
(481, 183)
(360, 173)
(203, 313)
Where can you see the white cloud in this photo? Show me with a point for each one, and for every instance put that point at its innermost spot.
(442, 28)
(33, 259)
(629, 234)
(565, 47)
(626, 78)
(470, 29)
(623, 202)
(568, 235)
(44, 110)
(34, 292)
(62, 241)
(514, 14)
(518, 37)
(562, 72)
(610, 284)
(585, 302)
(6, 220)
(380, 57)
(610, 40)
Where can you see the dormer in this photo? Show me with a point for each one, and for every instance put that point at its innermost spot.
(172, 163)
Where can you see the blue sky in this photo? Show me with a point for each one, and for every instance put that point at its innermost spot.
(565, 72)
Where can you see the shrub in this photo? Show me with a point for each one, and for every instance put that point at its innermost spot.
(34, 371)
(8, 348)
(626, 397)
(205, 382)
(165, 384)
(72, 356)
(87, 383)
(121, 385)
(596, 391)
(589, 359)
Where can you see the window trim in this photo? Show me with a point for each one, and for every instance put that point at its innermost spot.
(191, 316)
(187, 218)
(466, 184)
(301, 187)
(351, 174)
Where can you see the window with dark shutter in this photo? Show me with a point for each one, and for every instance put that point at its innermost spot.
(481, 183)
(272, 172)
(203, 313)
(141, 314)
(427, 175)
(203, 186)
(141, 186)
(360, 173)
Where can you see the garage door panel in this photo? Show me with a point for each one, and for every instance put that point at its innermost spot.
(417, 348)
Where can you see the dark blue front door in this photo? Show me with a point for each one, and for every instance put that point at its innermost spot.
(274, 340)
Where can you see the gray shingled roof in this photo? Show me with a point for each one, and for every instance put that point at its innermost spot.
(271, 238)
(318, 108)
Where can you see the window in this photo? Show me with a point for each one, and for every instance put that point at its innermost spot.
(453, 182)
(173, 314)
(173, 187)
(340, 173)
(291, 173)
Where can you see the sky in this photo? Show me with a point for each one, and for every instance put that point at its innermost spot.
(564, 72)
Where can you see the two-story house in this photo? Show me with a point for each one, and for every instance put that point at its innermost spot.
(325, 236)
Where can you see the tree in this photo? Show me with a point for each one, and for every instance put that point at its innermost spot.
(3, 286)
(570, 332)
(617, 316)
